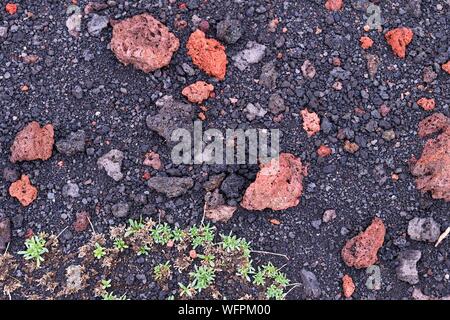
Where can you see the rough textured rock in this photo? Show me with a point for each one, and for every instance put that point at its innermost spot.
(373, 61)
(233, 186)
(33, 143)
(399, 39)
(120, 210)
(308, 69)
(311, 285)
(23, 191)
(424, 229)
(350, 147)
(311, 122)
(143, 42)
(207, 54)
(5, 233)
(198, 91)
(253, 111)
(432, 170)
(72, 144)
(229, 30)
(329, 215)
(334, 5)
(253, 53)
(82, 221)
(97, 24)
(172, 115)
(407, 266)
(446, 67)
(366, 42)
(112, 162)
(276, 103)
(278, 184)
(269, 75)
(348, 286)
(215, 208)
(361, 251)
(153, 160)
(324, 151)
(172, 187)
(429, 75)
(426, 104)
(71, 190)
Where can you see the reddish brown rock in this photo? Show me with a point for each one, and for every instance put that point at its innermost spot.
(432, 170)
(23, 191)
(82, 221)
(334, 5)
(152, 160)
(215, 208)
(198, 92)
(426, 104)
(348, 286)
(143, 42)
(446, 67)
(351, 147)
(33, 143)
(361, 251)
(278, 184)
(311, 122)
(323, 151)
(208, 54)
(398, 39)
(366, 42)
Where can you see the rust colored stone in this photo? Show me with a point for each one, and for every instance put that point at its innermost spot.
(153, 160)
(198, 92)
(23, 191)
(311, 122)
(278, 184)
(366, 42)
(426, 104)
(82, 221)
(398, 39)
(348, 286)
(351, 147)
(432, 170)
(208, 54)
(143, 42)
(33, 143)
(361, 251)
(446, 67)
(323, 151)
(334, 5)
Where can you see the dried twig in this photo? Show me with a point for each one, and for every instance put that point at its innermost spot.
(271, 253)
(442, 237)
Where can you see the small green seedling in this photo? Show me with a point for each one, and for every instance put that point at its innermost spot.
(186, 291)
(162, 271)
(112, 297)
(230, 243)
(35, 248)
(161, 233)
(274, 292)
(134, 227)
(143, 251)
(99, 251)
(259, 278)
(203, 277)
(178, 234)
(106, 284)
(201, 236)
(120, 245)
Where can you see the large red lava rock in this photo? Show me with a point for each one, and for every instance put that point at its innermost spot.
(208, 54)
(143, 42)
(334, 5)
(198, 92)
(446, 67)
(33, 143)
(361, 251)
(426, 104)
(433, 168)
(278, 184)
(398, 39)
(23, 191)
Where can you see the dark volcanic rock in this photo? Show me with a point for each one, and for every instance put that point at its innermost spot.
(172, 187)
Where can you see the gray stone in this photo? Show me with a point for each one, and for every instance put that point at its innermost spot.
(5, 233)
(407, 268)
(112, 162)
(71, 190)
(269, 75)
(73, 144)
(310, 284)
(172, 187)
(3, 32)
(120, 210)
(229, 30)
(253, 53)
(97, 24)
(276, 104)
(253, 111)
(233, 186)
(424, 229)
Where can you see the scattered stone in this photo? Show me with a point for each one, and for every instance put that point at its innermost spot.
(94, 6)
(152, 160)
(351, 147)
(171, 116)
(97, 24)
(361, 251)
(324, 151)
(71, 190)
(82, 221)
(334, 5)
(198, 92)
(373, 62)
(72, 144)
(10, 174)
(253, 53)
(112, 162)
(276, 103)
(215, 208)
(426, 104)
(73, 22)
(3, 32)
(172, 187)
(348, 286)
(233, 186)
(5, 233)
(214, 182)
(311, 122)
(229, 30)
(120, 210)
(366, 42)
(23, 191)
(399, 39)
(424, 229)
(407, 266)
(33, 143)
(311, 285)
(389, 135)
(278, 184)
(446, 67)
(308, 69)
(144, 42)
(207, 54)
(269, 75)
(429, 75)
(329, 215)
(253, 111)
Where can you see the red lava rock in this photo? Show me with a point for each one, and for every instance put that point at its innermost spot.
(23, 191)
(11, 8)
(193, 254)
(208, 54)
(350, 147)
(334, 5)
(82, 221)
(398, 39)
(198, 92)
(94, 6)
(366, 42)
(311, 122)
(432, 170)
(33, 143)
(323, 151)
(426, 104)
(152, 160)
(278, 184)
(348, 286)
(144, 42)
(361, 251)
(446, 67)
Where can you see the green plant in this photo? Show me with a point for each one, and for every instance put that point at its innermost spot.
(99, 251)
(143, 251)
(201, 236)
(230, 243)
(35, 248)
(246, 270)
(120, 245)
(270, 270)
(134, 227)
(281, 279)
(203, 277)
(208, 259)
(259, 278)
(186, 291)
(178, 234)
(162, 271)
(105, 284)
(274, 292)
(161, 233)
(111, 296)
